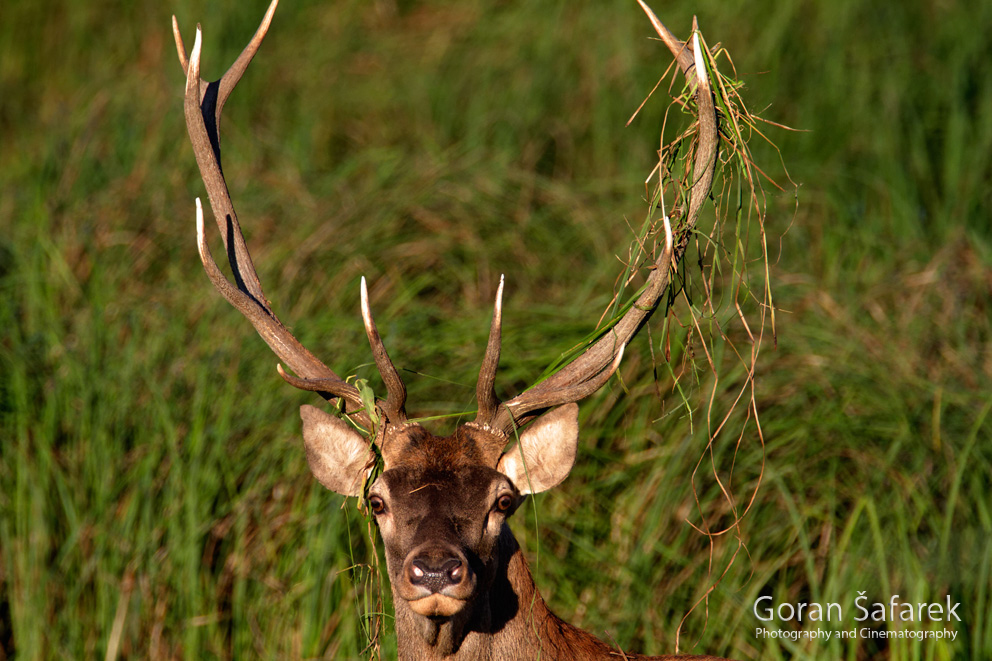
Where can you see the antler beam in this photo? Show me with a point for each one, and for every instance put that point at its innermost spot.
(204, 103)
(593, 368)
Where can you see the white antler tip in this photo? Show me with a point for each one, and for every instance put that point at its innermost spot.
(697, 56)
(201, 239)
(498, 311)
(668, 234)
(366, 309)
(193, 67)
(619, 357)
(199, 222)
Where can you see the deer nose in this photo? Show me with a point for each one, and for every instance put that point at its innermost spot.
(435, 573)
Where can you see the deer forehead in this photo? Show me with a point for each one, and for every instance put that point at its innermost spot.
(412, 446)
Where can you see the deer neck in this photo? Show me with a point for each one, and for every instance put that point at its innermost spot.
(508, 620)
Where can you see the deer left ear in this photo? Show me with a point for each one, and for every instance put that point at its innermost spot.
(545, 453)
(338, 455)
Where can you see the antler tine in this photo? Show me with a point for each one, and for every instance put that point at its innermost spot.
(203, 104)
(674, 44)
(592, 368)
(485, 391)
(691, 63)
(395, 404)
(212, 96)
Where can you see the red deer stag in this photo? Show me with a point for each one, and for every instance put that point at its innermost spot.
(461, 585)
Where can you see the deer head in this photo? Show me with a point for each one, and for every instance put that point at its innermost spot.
(441, 503)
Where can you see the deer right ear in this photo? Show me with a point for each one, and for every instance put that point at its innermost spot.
(545, 453)
(337, 454)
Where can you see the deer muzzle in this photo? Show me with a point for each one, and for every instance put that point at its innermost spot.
(437, 580)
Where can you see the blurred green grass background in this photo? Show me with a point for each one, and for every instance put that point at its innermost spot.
(154, 499)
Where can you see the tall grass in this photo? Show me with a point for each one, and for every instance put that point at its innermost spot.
(154, 501)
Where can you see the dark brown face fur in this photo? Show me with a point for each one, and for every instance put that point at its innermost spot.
(440, 510)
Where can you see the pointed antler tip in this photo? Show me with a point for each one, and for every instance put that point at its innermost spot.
(193, 71)
(367, 309)
(180, 45)
(663, 33)
(697, 55)
(498, 310)
(646, 9)
(618, 358)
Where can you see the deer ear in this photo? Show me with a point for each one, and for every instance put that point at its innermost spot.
(337, 454)
(545, 452)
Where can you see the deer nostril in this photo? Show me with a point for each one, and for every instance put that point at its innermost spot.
(454, 569)
(436, 576)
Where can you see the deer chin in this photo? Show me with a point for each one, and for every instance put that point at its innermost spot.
(437, 605)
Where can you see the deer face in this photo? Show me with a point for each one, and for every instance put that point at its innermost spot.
(440, 526)
(441, 502)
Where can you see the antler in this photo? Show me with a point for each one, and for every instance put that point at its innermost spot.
(203, 105)
(593, 368)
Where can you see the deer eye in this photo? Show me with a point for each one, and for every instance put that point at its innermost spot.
(504, 502)
(377, 504)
